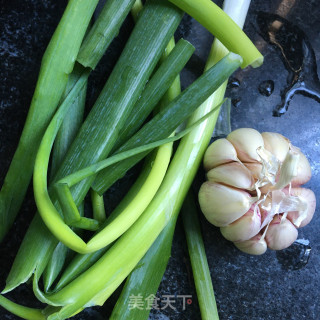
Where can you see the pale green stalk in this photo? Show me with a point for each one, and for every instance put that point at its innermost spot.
(65, 136)
(147, 275)
(237, 10)
(199, 262)
(222, 27)
(99, 212)
(21, 311)
(124, 255)
(47, 210)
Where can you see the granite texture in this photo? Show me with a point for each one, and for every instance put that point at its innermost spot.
(272, 286)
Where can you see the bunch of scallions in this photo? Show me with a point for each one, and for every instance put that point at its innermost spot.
(75, 259)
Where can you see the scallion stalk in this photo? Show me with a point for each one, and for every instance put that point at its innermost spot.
(104, 30)
(70, 125)
(164, 123)
(142, 51)
(21, 311)
(199, 262)
(168, 119)
(143, 190)
(147, 275)
(99, 212)
(222, 27)
(57, 64)
(156, 87)
(131, 247)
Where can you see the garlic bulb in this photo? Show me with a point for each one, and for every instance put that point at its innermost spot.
(253, 190)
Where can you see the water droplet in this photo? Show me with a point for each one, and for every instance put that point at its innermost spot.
(296, 256)
(236, 102)
(233, 83)
(298, 57)
(266, 87)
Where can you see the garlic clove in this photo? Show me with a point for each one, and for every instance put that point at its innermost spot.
(245, 227)
(281, 233)
(233, 174)
(301, 218)
(255, 169)
(246, 142)
(221, 204)
(277, 144)
(219, 152)
(256, 245)
(303, 171)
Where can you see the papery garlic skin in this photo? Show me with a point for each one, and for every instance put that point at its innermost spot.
(255, 169)
(253, 190)
(308, 196)
(277, 144)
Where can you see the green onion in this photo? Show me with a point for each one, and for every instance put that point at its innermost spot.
(79, 264)
(55, 265)
(149, 39)
(147, 275)
(167, 120)
(159, 83)
(99, 212)
(87, 171)
(57, 64)
(199, 262)
(21, 311)
(122, 90)
(138, 197)
(51, 216)
(109, 271)
(71, 122)
(104, 30)
(65, 136)
(224, 28)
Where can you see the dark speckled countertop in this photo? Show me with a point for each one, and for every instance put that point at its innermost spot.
(272, 286)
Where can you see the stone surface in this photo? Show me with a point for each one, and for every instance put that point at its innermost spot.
(246, 287)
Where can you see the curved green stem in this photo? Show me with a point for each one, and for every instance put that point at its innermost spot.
(21, 311)
(140, 55)
(136, 200)
(57, 63)
(47, 210)
(224, 28)
(124, 255)
(147, 275)
(42, 161)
